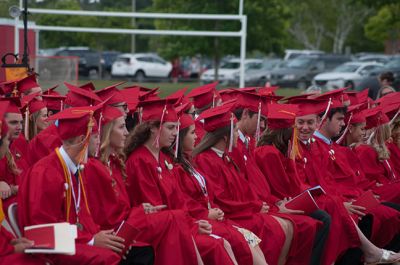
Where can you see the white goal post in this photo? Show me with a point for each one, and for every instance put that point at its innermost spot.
(240, 17)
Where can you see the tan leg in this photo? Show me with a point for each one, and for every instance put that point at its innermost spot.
(288, 229)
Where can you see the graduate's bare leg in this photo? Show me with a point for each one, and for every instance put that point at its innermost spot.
(258, 256)
(199, 260)
(287, 227)
(229, 250)
(371, 252)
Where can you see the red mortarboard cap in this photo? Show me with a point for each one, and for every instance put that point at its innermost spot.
(54, 102)
(88, 86)
(204, 95)
(153, 110)
(281, 116)
(302, 96)
(9, 87)
(308, 106)
(391, 109)
(131, 97)
(185, 120)
(78, 97)
(32, 104)
(357, 113)
(248, 89)
(337, 97)
(14, 104)
(375, 117)
(51, 91)
(357, 97)
(392, 97)
(177, 96)
(139, 88)
(27, 83)
(111, 92)
(149, 95)
(74, 121)
(217, 117)
(111, 113)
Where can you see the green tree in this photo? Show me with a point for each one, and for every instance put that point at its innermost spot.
(385, 25)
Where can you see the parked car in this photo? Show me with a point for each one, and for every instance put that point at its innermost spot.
(141, 66)
(256, 75)
(379, 58)
(291, 54)
(371, 80)
(346, 75)
(89, 60)
(107, 59)
(228, 70)
(300, 71)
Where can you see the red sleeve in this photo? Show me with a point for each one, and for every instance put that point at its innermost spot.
(281, 183)
(196, 202)
(5, 247)
(231, 199)
(141, 183)
(370, 164)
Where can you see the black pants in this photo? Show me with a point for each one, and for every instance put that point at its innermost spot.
(139, 256)
(321, 236)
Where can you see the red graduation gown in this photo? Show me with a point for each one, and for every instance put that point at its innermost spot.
(43, 144)
(342, 233)
(240, 203)
(394, 156)
(339, 174)
(152, 182)
(7, 255)
(198, 208)
(164, 230)
(42, 200)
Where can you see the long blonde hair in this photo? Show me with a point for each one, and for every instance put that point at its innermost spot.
(33, 131)
(378, 141)
(105, 149)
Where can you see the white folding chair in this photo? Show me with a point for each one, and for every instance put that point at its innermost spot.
(13, 218)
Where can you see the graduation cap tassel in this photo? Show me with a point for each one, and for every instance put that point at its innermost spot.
(157, 140)
(328, 107)
(231, 135)
(140, 110)
(371, 136)
(213, 102)
(61, 105)
(294, 148)
(340, 140)
(395, 117)
(99, 130)
(258, 129)
(177, 138)
(26, 125)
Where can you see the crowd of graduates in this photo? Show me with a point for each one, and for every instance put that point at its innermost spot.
(204, 177)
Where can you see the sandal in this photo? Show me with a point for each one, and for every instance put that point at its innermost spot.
(385, 258)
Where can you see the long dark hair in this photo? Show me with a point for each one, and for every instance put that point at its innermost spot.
(140, 134)
(210, 139)
(279, 138)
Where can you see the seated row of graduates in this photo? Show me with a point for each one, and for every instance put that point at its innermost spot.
(221, 202)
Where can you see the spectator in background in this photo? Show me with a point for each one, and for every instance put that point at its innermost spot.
(386, 80)
(194, 68)
(176, 69)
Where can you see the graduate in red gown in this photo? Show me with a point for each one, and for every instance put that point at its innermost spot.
(201, 205)
(166, 231)
(53, 191)
(203, 98)
(11, 161)
(282, 239)
(47, 140)
(315, 168)
(150, 176)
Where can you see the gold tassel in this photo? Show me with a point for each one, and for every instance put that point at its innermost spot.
(295, 147)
